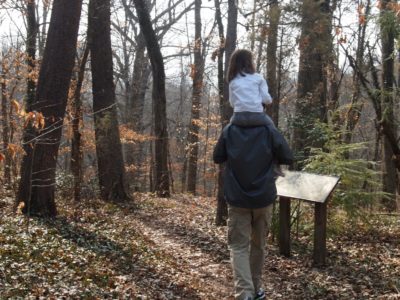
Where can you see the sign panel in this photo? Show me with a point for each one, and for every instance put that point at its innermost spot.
(306, 186)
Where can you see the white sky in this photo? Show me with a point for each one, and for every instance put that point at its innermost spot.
(12, 26)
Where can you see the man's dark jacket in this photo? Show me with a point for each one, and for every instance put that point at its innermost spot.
(251, 145)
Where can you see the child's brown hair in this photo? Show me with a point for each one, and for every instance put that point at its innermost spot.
(241, 62)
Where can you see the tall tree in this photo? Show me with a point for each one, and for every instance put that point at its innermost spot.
(110, 162)
(230, 45)
(76, 143)
(220, 51)
(32, 32)
(5, 119)
(136, 103)
(387, 26)
(315, 48)
(354, 112)
(197, 92)
(225, 108)
(159, 100)
(272, 46)
(42, 37)
(38, 169)
(31, 41)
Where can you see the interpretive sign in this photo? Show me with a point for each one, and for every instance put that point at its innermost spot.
(309, 187)
(306, 186)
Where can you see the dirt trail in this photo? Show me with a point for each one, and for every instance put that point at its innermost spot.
(202, 258)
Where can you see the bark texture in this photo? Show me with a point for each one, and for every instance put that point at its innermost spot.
(197, 76)
(5, 122)
(38, 169)
(315, 49)
(354, 112)
(76, 143)
(32, 32)
(225, 108)
(110, 162)
(135, 105)
(272, 46)
(390, 178)
(159, 100)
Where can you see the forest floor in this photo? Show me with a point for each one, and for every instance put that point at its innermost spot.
(170, 249)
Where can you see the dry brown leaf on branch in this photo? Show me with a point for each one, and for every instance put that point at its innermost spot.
(15, 105)
(192, 70)
(29, 117)
(22, 113)
(40, 120)
(2, 157)
(361, 19)
(13, 149)
(20, 207)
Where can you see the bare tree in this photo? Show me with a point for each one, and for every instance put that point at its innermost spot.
(5, 120)
(38, 169)
(32, 31)
(76, 143)
(110, 162)
(354, 112)
(159, 100)
(274, 16)
(197, 76)
(391, 182)
(315, 47)
(225, 108)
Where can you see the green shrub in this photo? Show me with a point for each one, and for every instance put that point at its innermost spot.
(360, 183)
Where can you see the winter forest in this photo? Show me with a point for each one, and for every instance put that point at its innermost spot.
(110, 111)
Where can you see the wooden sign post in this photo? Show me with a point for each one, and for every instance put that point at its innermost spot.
(308, 187)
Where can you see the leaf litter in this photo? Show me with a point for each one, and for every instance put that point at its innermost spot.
(171, 249)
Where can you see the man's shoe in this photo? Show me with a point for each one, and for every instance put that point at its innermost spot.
(260, 295)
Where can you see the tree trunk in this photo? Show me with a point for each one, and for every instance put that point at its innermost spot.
(42, 37)
(331, 70)
(220, 53)
(315, 47)
(110, 162)
(260, 48)
(253, 27)
(207, 135)
(354, 112)
(225, 108)
(32, 31)
(197, 76)
(159, 100)
(140, 64)
(38, 167)
(135, 105)
(230, 45)
(390, 180)
(5, 122)
(382, 108)
(76, 144)
(274, 16)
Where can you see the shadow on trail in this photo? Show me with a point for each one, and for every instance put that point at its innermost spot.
(124, 261)
(191, 236)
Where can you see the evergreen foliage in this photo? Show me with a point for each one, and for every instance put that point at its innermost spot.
(360, 184)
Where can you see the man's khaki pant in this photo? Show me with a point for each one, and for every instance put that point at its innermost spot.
(247, 231)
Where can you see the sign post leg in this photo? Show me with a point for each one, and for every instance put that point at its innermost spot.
(320, 234)
(284, 226)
